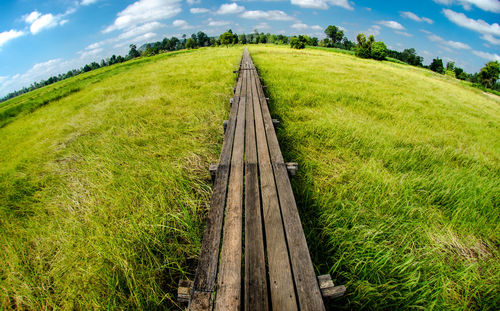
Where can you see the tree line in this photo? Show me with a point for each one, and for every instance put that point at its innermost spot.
(487, 77)
(335, 38)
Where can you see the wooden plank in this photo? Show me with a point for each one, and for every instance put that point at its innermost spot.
(229, 281)
(280, 274)
(256, 295)
(308, 292)
(206, 272)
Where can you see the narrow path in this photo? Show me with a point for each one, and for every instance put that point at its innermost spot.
(254, 253)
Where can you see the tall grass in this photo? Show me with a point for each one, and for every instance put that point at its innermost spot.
(103, 191)
(398, 186)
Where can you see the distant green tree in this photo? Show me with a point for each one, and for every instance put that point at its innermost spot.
(363, 49)
(459, 73)
(133, 53)
(228, 38)
(378, 50)
(325, 42)
(190, 43)
(489, 74)
(437, 65)
(450, 66)
(298, 42)
(243, 39)
(202, 38)
(334, 33)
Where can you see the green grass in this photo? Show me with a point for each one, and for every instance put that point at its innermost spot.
(103, 189)
(398, 184)
(29, 102)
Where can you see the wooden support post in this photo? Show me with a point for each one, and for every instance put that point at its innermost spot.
(231, 100)
(328, 289)
(184, 291)
(224, 124)
(276, 123)
(213, 171)
(292, 168)
(234, 89)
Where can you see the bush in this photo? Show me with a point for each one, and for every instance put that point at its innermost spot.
(379, 50)
(437, 65)
(370, 48)
(298, 42)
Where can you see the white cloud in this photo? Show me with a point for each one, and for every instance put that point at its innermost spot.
(39, 21)
(136, 31)
(143, 11)
(302, 26)
(322, 4)
(213, 23)
(262, 26)
(373, 30)
(404, 33)
(487, 56)
(9, 35)
(476, 25)
(88, 2)
(491, 39)
(198, 10)
(486, 5)
(90, 53)
(191, 2)
(45, 21)
(392, 24)
(230, 8)
(416, 18)
(274, 15)
(182, 24)
(447, 43)
(33, 16)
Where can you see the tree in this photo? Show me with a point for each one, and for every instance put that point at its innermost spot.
(450, 66)
(228, 38)
(334, 33)
(410, 56)
(203, 39)
(459, 73)
(243, 39)
(437, 65)
(364, 46)
(298, 42)
(378, 50)
(190, 43)
(133, 53)
(489, 74)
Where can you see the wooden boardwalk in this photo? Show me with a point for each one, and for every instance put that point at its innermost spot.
(254, 254)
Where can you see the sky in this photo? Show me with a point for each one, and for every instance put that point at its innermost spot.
(43, 38)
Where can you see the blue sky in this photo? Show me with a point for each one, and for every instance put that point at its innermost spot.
(43, 38)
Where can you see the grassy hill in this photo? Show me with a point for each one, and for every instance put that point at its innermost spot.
(102, 192)
(399, 183)
(104, 182)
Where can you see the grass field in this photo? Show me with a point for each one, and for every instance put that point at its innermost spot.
(103, 187)
(103, 191)
(399, 185)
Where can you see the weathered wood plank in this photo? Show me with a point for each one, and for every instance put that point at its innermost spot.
(308, 292)
(256, 293)
(229, 281)
(280, 274)
(206, 272)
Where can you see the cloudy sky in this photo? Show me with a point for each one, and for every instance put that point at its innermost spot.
(43, 38)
